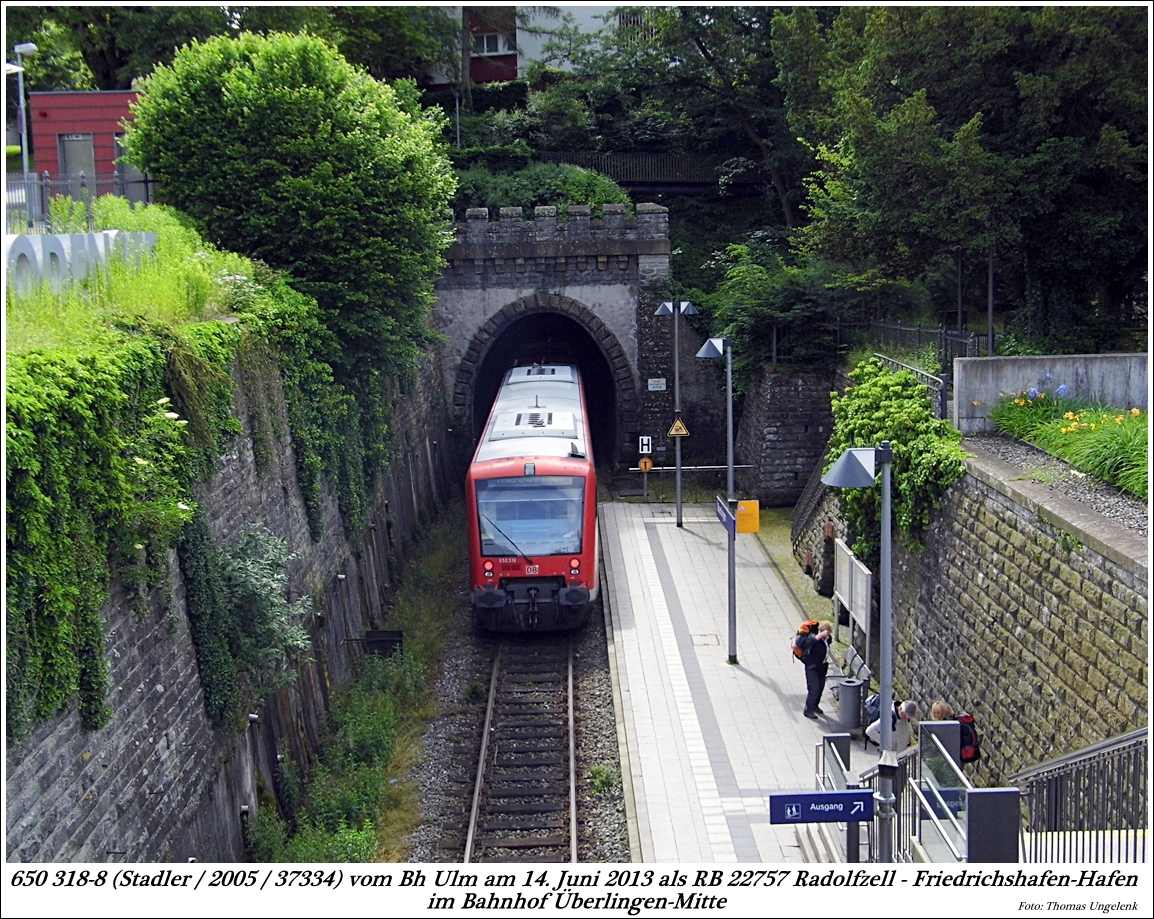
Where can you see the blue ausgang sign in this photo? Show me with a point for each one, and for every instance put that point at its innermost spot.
(822, 807)
(725, 515)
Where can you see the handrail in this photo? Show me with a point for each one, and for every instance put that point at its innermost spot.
(872, 771)
(966, 783)
(1078, 756)
(933, 817)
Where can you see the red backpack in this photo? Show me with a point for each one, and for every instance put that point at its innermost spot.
(971, 743)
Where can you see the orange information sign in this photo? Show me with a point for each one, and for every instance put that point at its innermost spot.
(645, 464)
(748, 517)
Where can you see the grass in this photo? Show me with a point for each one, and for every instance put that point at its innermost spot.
(184, 280)
(358, 805)
(1109, 443)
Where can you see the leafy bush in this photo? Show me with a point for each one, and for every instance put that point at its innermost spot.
(1109, 443)
(542, 184)
(883, 405)
(278, 147)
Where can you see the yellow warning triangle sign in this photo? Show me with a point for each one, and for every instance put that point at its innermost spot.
(679, 429)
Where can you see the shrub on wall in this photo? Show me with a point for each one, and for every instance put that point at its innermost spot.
(882, 405)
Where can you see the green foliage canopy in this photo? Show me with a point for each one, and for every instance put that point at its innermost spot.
(882, 405)
(279, 148)
(1018, 128)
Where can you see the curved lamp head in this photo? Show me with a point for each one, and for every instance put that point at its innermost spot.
(853, 469)
(685, 308)
(713, 347)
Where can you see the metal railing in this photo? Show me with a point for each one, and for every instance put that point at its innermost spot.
(28, 203)
(905, 822)
(665, 168)
(808, 502)
(937, 385)
(1089, 806)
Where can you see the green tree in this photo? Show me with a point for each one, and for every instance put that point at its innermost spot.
(1018, 127)
(121, 43)
(277, 147)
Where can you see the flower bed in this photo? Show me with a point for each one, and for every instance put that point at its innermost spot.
(1104, 441)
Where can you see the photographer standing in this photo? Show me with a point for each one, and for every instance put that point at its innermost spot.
(815, 650)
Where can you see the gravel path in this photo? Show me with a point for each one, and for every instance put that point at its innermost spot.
(1040, 466)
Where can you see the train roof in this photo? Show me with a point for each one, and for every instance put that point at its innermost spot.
(537, 413)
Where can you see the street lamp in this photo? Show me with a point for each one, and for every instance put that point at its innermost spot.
(714, 348)
(674, 308)
(23, 50)
(855, 468)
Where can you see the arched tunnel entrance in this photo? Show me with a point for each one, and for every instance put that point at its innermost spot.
(548, 337)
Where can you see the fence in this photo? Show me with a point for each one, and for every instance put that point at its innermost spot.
(663, 168)
(28, 199)
(1089, 806)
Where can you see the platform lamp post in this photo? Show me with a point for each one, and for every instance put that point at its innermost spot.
(715, 348)
(23, 50)
(675, 308)
(856, 468)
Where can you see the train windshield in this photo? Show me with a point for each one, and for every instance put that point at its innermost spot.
(531, 515)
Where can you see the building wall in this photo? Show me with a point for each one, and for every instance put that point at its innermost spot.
(100, 114)
(159, 782)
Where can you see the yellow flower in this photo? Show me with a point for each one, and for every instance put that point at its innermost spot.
(1069, 416)
(1135, 411)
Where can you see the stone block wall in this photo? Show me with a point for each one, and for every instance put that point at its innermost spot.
(1025, 608)
(159, 782)
(592, 268)
(785, 424)
(702, 398)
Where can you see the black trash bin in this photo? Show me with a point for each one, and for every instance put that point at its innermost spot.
(849, 703)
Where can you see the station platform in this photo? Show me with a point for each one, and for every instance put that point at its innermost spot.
(704, 742)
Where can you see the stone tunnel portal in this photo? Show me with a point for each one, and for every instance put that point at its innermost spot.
(553, 338)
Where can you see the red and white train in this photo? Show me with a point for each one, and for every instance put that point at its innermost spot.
(532, 505)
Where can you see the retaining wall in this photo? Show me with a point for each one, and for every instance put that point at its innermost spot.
(1120, 380)
(159, 782)
(1027, 609)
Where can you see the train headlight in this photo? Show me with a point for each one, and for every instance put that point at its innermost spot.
(488, 569)
(574, 563)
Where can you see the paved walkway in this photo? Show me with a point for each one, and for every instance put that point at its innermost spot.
(706, 741)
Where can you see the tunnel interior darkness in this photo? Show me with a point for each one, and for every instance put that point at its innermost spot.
(552, 338)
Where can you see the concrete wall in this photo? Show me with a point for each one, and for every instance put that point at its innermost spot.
(1120, 380)
(785, 424)
(1025, 608)
(159, 782)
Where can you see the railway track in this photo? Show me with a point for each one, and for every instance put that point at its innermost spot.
(524, 806)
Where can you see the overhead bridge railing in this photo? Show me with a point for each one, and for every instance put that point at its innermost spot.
(1089, 806)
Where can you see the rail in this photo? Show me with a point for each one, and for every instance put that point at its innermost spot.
(1088, 806)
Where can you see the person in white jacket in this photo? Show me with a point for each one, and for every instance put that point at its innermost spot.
(903, 716)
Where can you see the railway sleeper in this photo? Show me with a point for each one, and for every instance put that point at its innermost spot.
(496, 794)
(527, 842)
(540, 808)
(553, 823)
(542, 775)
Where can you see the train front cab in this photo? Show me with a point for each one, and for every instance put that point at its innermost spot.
(534, 564)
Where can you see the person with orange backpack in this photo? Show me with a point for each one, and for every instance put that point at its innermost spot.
(811, 646)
